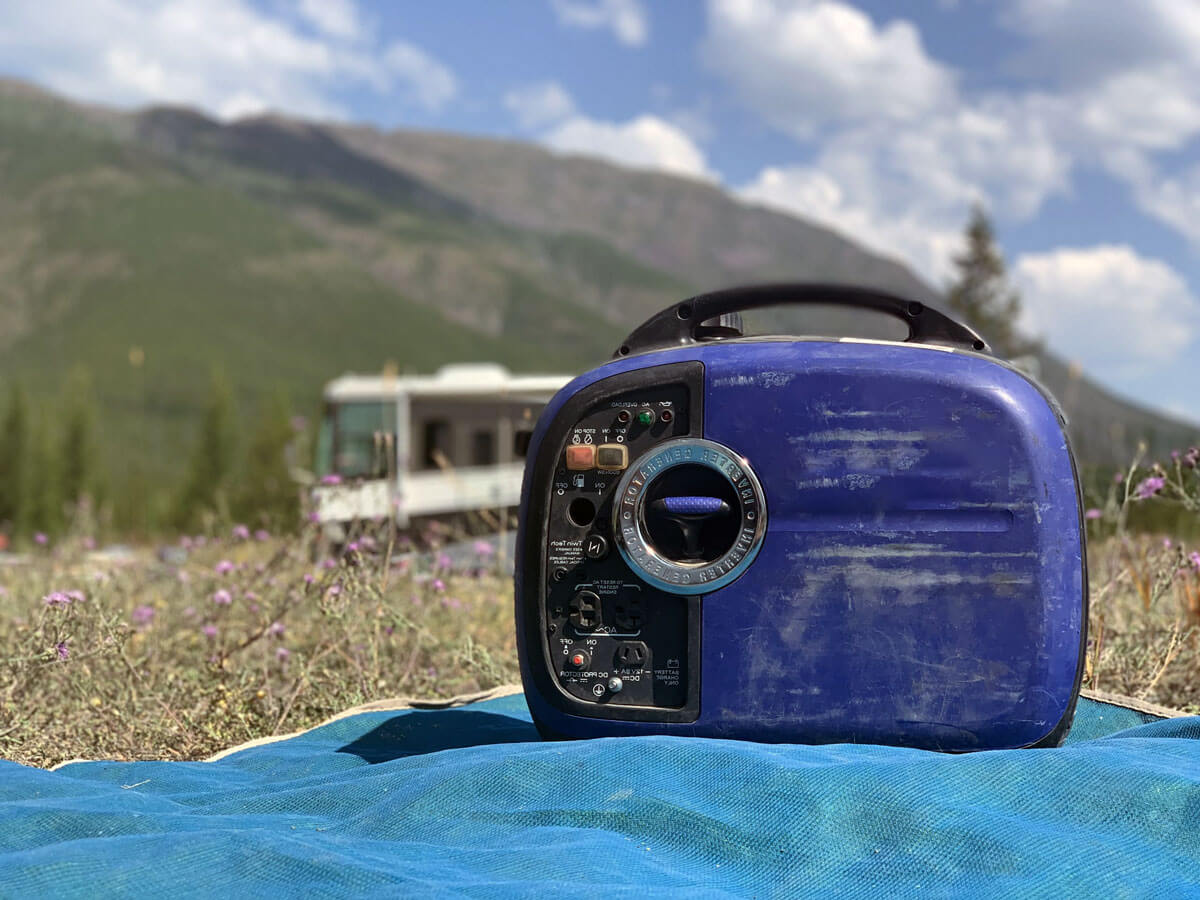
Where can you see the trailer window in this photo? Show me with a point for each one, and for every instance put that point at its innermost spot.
(483, 447)
(437, 444)
(355, 452)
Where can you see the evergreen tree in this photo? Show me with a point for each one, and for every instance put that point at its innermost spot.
(982, 296)
(205, 492)
(14, 462)
(78, 453)
(268, 496)
(44, 498)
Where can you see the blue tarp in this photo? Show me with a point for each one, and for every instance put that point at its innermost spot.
(468, 802)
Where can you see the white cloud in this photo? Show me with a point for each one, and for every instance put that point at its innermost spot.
(1172, 199)
(1128, 90)
(626, 19)
(426, 80)
(335, 18)
(1115, 311)
(815, 195)
(536, 105)
(645, 142)
(804, 65)
(1081, 43)
(899, 155)
(906, 189)
(224, 56)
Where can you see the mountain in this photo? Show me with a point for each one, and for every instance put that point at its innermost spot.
(286, 252)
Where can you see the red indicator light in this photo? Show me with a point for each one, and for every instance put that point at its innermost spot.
(578, 659)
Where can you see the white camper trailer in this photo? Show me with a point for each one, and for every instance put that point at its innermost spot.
(424, 446)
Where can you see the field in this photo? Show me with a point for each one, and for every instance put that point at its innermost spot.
(221, 639)
(213, 642)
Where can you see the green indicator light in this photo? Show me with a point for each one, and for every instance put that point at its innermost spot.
(645, 417)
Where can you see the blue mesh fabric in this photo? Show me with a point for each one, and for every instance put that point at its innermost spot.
(468, 803)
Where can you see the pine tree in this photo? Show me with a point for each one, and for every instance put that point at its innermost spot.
(45, 498)
(14, 462)
(205, 492)
(982, 295)
(268, 495)
(78, 453)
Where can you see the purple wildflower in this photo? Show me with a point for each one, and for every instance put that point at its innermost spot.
(143, 615)
(352, 548)
(1194, 558)
(1093, 514)
(388, 629)
(262, 535)
(282, 653)
(276, 629)
(1149, 487)
(241, 532)
(484, 549)
(222, 597)
(57, 598)
(444, 561)
(331, 479)
(62, 650)
(452, 603)
(439, 585)
(1118, 478)
(189, 611)
(209, 631)
(76, 596)
(309, 577)
(329, 563)
(185, 542)
(333, 590)
(224, 567)
(250, 595)
(40, 539)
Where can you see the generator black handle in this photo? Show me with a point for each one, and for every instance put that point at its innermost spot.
(684, 323)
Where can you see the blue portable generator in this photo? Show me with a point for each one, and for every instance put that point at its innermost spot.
(801, 539)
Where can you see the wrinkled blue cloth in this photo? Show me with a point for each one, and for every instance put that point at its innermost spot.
(468, 802)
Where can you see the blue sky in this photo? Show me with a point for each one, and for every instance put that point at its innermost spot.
(1077, 122)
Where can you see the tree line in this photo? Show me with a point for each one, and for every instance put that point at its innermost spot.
(54, 476)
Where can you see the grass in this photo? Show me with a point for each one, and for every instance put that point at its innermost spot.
(218, 640)
(177, 658)
(182, 654)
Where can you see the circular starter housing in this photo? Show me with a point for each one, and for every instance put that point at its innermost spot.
(690, 516)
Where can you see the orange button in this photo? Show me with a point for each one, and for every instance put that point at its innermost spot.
(581, 457)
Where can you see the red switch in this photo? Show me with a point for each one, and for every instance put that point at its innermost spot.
(581, 457)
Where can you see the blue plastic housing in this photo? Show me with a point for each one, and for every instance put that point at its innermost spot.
(923, 576)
